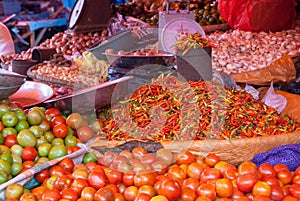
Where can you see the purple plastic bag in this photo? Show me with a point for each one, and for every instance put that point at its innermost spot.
(286, 154)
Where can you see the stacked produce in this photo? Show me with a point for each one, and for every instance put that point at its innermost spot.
(206, 11)
(67, 43)
(169, 109)
(139, 175)
(34, 136)
(240, 51)
(87, 71)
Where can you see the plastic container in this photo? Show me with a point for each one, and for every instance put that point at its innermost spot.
(21, 66)
(42, 54)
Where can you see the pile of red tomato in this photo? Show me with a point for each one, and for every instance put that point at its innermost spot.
(180, 177)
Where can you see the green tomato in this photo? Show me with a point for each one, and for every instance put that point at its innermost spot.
(16, 168)
(9, 119)
(3, 109)
(14, 191)
(41, 160)
(37, 131)
(16, 149)
(34, 117)
(5, 166)
(57, 152)
(7, 157)
(21, 125)
(43, 149)
(89, 157)
(9, 131)
(20, 114)
(3, 177)
(16, 158)
(49, 136)
(4, 149)
(40, 141)
(57, 141)
(70, 140)
(26, 138)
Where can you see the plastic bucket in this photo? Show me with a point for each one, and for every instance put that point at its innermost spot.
(43, 54)
(21, 66)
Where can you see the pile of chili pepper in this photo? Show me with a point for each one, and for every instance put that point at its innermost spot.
(192, 41)
(169, 109)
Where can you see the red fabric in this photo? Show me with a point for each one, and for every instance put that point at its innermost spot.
(258, 15)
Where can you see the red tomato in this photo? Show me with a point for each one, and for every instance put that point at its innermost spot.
(28, 165)
(194, 170)
(186, 158)
(144, 178)
(79, 184)
(295, 190)
(261, 188)
(276, 193)
(128, 178)
(96, 179)
(209, 174)
(224, 188)
(62, 182)
(67, 165)
(119, 197)
(296, 179)
(74, 120)
(279, 166)
(176, 173)
(225, 167)
(248, 167)
(211, 160)
(267, 169)
(57, 120)
(91, 165)
(85, 133)
(246, 181)
(147, 189)
(225, 199)
(137, 152)
(271, 180)
(290, 198)
(297, 171)
(191, 183)
(170, 189)
(285, 176)
(56, 170)
(261, 198)
(69, 194)
(231, 174)
(142, 197)
(203, 198)
(60, 130)
(52, 112)
(39, 191)
(113, 176)
(52, 195)
(243, 199)
(10, 140)
(187, 195)
(42, 175)
(29, 154)
(206, 190)
(237, 193)
(88, 193)
(130, 193)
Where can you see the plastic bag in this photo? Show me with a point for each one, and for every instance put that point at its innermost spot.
(258, 15)
(274, 100)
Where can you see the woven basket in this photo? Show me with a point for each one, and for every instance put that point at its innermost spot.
(46, 79)
(233, 151)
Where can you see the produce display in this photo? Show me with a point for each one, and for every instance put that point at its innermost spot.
(34, 136)
(139, 175)
(206, 11)
(87, 71)
(239, 51)
(169, 109)
(67, 43)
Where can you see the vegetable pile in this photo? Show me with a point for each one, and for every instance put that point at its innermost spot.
(182, 177)
(169, 109)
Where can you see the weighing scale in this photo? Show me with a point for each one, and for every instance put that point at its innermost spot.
(89, 16)
(172, 22)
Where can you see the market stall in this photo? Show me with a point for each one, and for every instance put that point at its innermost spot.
(152, 105)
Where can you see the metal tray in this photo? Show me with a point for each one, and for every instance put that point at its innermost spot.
(91, 98)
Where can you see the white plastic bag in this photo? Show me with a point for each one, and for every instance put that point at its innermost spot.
(274, 100)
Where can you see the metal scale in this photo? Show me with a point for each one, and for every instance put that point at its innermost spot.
(90, 16)
(173, 22)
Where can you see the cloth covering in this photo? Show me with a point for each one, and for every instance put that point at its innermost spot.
(286, 154)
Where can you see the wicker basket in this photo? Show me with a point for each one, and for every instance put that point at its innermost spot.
(233, 151)
(46, 79)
